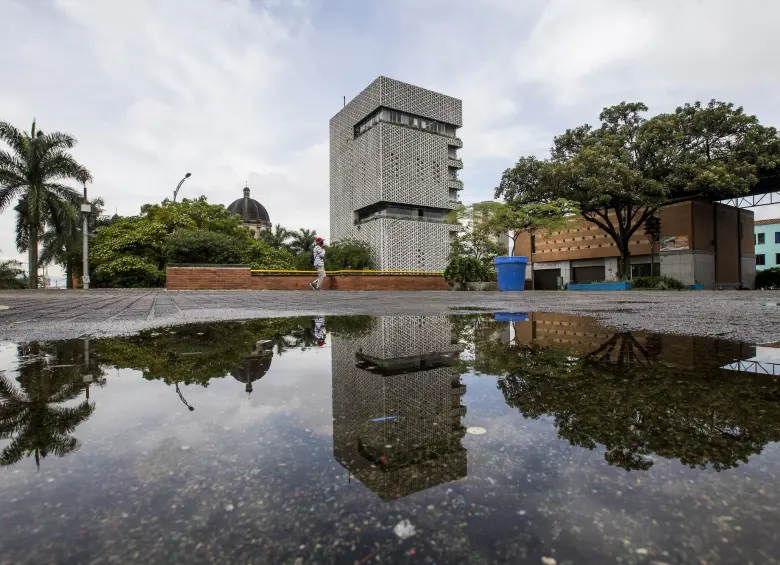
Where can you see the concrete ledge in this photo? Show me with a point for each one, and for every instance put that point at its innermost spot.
(232, 277)
(601, 286)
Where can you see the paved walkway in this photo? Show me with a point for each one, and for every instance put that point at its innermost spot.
(38, 315)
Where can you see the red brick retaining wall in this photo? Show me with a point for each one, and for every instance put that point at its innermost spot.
(240, 278)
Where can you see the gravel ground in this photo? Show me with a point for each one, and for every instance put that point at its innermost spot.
(749, 316)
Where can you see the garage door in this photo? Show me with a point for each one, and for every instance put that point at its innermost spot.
(588, 274)
(546, 279)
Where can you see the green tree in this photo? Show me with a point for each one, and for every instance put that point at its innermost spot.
(473, 239)
(260, 255)
(622, 172)
(635, 402)
(197, 246)
(11, 274)
(129, 252)
(32, 416)
(196, 353)
(133, 251)
(511, 220)
(33, 171)
(276, 238)
(302, 240)
(192, 213)
(348, 255)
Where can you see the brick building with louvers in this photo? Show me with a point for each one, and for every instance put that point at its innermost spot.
(701, 243)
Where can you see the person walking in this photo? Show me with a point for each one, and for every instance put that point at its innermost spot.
(318, 260)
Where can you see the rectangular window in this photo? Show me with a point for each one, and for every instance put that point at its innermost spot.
(777, 259)
(761, 259)
(761, 238)
(777, 237)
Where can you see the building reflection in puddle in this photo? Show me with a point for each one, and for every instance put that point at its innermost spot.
(397, 406)
(639, 396)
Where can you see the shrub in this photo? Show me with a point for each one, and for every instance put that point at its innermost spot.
(768, 279)
(12, 274)
(302, 261)
(657, 283)
(348, 255)
(464, 270)
(197, 246)
(262, 256)
(128, 272)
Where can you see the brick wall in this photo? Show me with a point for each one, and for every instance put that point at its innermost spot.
(240, 278)
(208, 278)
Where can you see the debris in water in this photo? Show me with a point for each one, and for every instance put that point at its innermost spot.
(404, 529)
(476, 431)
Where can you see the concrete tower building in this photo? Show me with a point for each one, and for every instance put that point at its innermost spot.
(394, 174)
(397, 406)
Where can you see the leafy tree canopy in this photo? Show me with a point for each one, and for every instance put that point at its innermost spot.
(133, 251)
(623, 171)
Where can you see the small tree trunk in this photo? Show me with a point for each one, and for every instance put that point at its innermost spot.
(624, 266)
(69, 273)
(33, 256)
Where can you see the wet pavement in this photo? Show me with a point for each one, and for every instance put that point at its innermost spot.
(45, 315)
(507, 438)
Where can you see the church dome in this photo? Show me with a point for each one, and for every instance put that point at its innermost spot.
(249, 210)
(254, 367)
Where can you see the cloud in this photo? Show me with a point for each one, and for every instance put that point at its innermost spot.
(238, 91)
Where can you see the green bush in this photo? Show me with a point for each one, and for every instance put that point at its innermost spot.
(199, 246)
(128, 272)
(262, 256)
(462, 270)
(768, 279)
(12, 274)
(348, 255)
(657, 283)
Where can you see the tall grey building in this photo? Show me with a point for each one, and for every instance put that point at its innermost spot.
(394, 174)
(397, 406)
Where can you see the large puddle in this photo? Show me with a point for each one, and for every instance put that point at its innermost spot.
(512, 438)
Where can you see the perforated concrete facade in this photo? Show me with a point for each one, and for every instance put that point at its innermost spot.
(397, 164)
(398, 430)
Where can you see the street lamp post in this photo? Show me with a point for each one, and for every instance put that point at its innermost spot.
(86, 208)
(181, 182)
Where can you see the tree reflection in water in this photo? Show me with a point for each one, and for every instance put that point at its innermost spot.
(34, 416)
(639, 396)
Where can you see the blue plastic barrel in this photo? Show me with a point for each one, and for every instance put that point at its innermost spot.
(511, 273)
(510, 317)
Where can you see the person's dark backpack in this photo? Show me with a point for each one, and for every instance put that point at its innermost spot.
(312, 256)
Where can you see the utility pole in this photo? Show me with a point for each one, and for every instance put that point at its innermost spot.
(86, 208)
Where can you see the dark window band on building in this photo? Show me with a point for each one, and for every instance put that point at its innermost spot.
(401, 118)
(401, 212)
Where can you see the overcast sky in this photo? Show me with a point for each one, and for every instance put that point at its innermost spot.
(238, 91)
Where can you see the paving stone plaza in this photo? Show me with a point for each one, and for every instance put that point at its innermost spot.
(24, 315)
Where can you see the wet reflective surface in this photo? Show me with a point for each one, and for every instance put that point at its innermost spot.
(505, 438)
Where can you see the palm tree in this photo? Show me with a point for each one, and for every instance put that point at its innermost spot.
(30, 416)
(32, 171)
(277, 238)
(302, 240)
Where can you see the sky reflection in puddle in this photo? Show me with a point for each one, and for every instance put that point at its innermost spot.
(344, 440)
